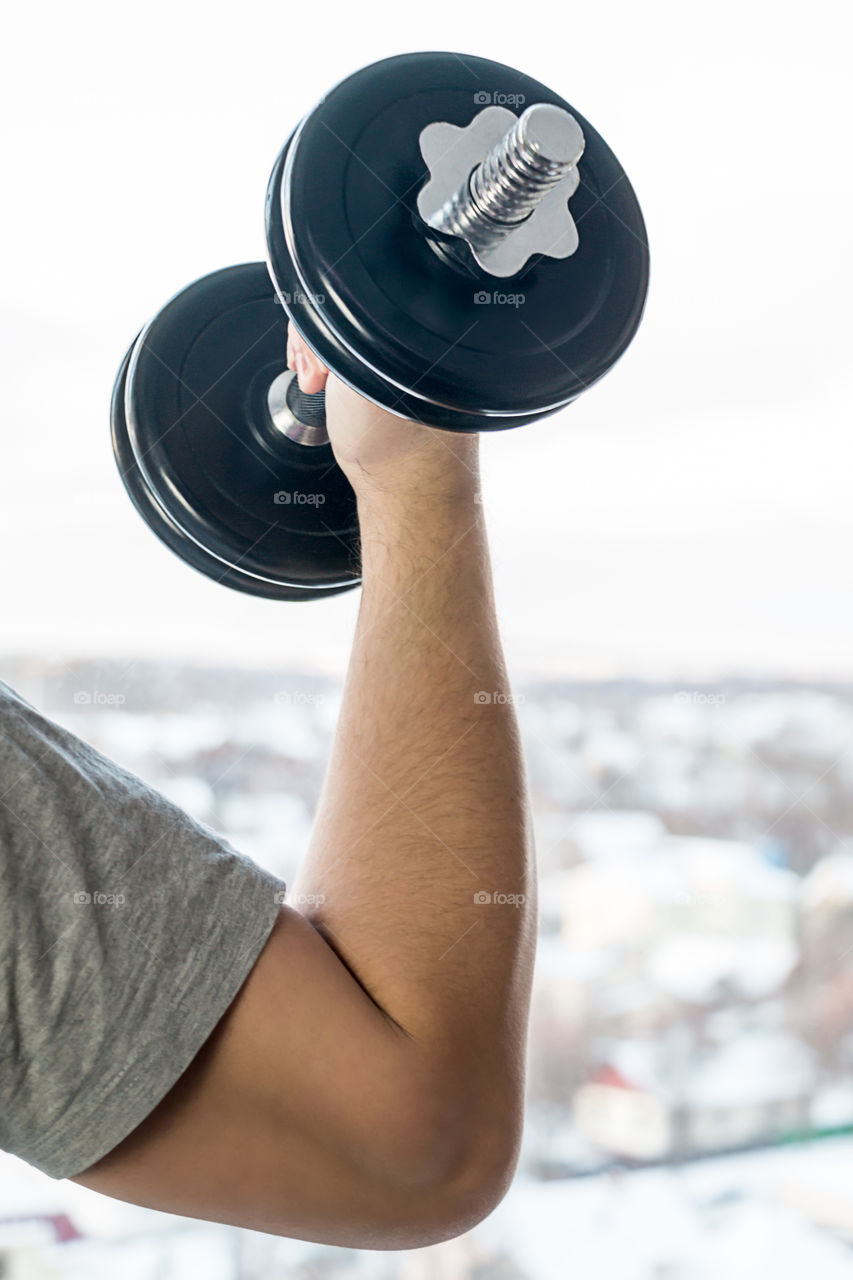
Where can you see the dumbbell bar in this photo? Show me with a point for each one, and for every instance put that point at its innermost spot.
(459, 263)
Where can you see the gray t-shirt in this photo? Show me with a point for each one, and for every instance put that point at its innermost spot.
(126, 930)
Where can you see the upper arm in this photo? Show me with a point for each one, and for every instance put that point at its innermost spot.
(307, 1113)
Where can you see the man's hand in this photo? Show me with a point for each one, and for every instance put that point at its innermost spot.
(381, 454)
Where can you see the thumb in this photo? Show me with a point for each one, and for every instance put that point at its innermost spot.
(310, 371)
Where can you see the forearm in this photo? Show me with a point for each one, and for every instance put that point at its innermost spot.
(424, 804)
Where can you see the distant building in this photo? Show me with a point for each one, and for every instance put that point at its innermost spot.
(756, 1088)
(622, 1117)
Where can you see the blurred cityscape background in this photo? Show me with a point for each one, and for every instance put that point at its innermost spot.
(691, 1051)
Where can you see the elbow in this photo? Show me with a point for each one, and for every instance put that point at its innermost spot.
(475, 1190)
(448, 1188)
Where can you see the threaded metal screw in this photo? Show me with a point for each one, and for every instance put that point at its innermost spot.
(538, 152)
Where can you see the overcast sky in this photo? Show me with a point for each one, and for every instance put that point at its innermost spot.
(690, 516)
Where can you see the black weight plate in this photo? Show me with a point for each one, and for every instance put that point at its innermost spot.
(379, 307)
(158, 519)
(201, 458)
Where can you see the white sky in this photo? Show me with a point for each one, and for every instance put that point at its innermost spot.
(690, 515)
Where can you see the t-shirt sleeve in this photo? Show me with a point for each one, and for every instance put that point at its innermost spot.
(126, 930)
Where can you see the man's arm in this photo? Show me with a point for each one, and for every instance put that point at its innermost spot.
(366, 1086)
(424, 807)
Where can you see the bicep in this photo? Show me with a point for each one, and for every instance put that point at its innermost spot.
(295, 1116)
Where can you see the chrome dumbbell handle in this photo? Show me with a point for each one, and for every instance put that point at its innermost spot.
(295, 413)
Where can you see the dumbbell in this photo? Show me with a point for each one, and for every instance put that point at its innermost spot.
(452, 239)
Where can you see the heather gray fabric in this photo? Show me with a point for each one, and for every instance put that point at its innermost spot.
(126, 930)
